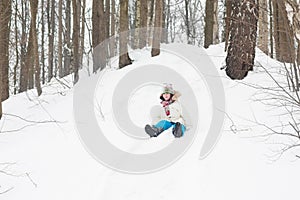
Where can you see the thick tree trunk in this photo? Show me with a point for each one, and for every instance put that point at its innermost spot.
(157, 31)
(99, 35)
(124, 58)
(210, 23)
(242, 43)
(5, 15)
(263, 32)
(283, 33)
(144, 20)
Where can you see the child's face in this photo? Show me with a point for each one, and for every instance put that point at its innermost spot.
(166, 96)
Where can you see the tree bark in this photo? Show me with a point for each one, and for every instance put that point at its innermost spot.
(137, 24)
(242, 43)
(35, 51)
(124, 58)
(51, 32)
(82, 36)
(5, 15)
(76, 29)
(210, 22)
(144, 20)
(23, 42)
(228, 5)
(99, 35)
(283, 33)
(67, 40)
(60, 47)
(157, 28)
(112, 44)
(263, 32)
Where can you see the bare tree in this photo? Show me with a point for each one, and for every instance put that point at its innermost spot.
(35, 51)
(211, 24)
(263, 34)
(124, 58)
(60, 45)
(76, 30)
(242, 42)
(99, 35)
(157, 28)
(112, 45)
(283, 33)
(51, 34)
(5, 15)
(67, 39)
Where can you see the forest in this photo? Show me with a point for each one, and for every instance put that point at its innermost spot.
(46, 47)
(45, 39)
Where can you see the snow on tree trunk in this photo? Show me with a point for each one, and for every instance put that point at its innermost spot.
(242, 41)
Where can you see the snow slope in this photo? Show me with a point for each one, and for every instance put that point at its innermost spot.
(51, 163)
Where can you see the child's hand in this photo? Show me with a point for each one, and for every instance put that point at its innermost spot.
(165, 103)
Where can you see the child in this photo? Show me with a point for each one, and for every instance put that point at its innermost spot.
(171, 115)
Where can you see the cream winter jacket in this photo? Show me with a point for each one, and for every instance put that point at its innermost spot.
(175, 110)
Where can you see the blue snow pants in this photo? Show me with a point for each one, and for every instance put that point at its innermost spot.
(167, 124)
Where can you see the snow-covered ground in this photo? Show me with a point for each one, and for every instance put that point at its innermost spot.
(49, 161)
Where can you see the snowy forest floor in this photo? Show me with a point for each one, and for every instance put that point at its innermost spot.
(42, 156)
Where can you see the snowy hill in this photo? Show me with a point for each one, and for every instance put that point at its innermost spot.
(39, 136)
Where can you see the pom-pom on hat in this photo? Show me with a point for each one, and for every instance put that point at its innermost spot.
(168, 88)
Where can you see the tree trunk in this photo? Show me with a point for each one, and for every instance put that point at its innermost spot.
(67, 40)
(43, 42)
(23, 42)
(5, 15)
(271, 29)
(35, 51)
(187, 22)
(157, 31)
(144, 20)
(124, 58)
(51, 32)
(216, 38)
(76, 29)
(60, 47)
(283, 33)
(99, 35)
(112, 44)
(210, 23)
(137, 24)
(242, 43)
(82, 38)
(263, 33)
(228, 5)
(16, 48)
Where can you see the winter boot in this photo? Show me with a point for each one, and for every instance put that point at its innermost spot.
(153, 131)
(177, 130)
